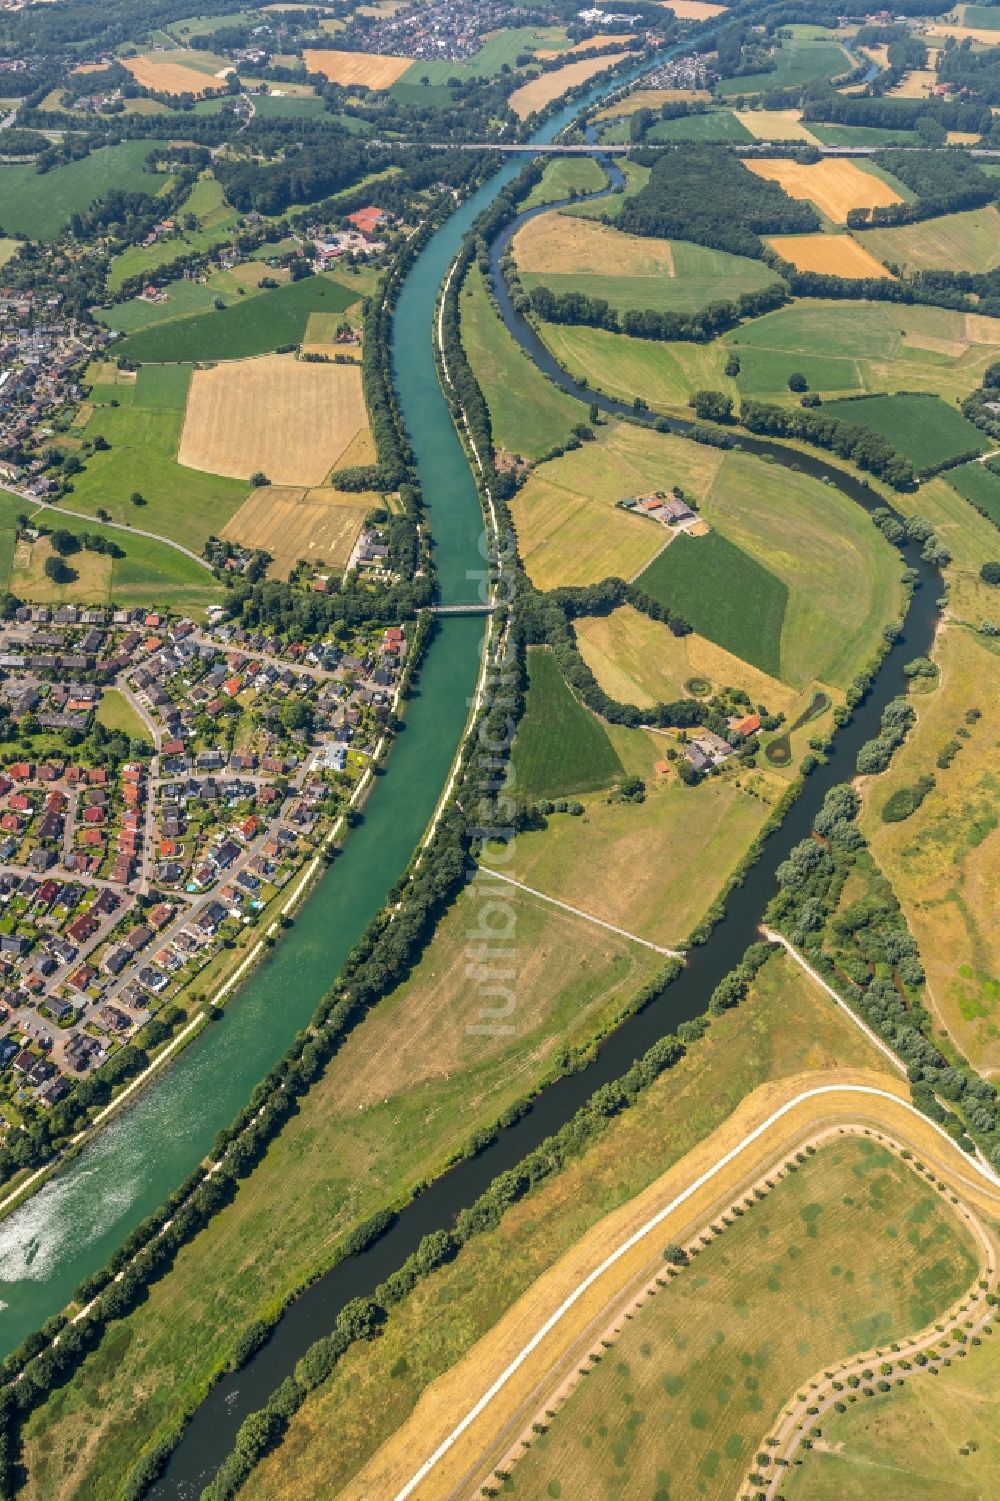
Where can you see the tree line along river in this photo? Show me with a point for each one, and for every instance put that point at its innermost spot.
(74, 1223)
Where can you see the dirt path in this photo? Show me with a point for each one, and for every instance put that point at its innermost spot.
(496, 875)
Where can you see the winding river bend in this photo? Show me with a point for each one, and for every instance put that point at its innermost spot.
(448, 485)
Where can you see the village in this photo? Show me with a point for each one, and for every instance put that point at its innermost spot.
(178, 778)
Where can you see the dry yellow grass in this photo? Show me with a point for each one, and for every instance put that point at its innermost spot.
(694, 10)
(92, 584)
(171, 77)
(649, 99)
(835, 185)
(556, 242)
(639, 661)
(775, 125)
(290, 419)
(368, 69)
(89, 68)
(837, 255)
(965, 33)
(916, 85)
(589, 44)
(962, 138)
(319, 525)
(548, 86)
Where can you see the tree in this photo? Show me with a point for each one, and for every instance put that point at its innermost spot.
(797, 381)
(990, 573)
(733, 365)
(137, 498)
(676, 1255)
(58, 572)
(258, 479)
(64, 542)
(711, 406)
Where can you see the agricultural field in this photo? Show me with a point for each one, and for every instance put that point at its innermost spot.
(8, 249)
(574, 254)
(852, 1250)
(831, 255)
(569, 527)
(216, 221)
(249, 328)
(942, 859)
(467, 1317)
(529, 414)
(979, 485)
(636, 177)
(926, 1438)
(183, 298)
(561, 747)
(663, 375)
(800, 60)
(538, 92)
(184, 71)
(712, 125)
(861, 135)
(321, 525)
(834, 185)
(776, 125)
(644, 98)
(638, 660)
(40, 205)
(565, 175)
(499, 48)
(922, 428)
(695, 10)
(396, 1117)
(954, 242)
(369, 70)
(144, 436)
(289, 420)
(864, 346)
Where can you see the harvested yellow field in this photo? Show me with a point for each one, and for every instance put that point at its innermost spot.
(836, 255)
(962, 138)
(915, 85)
(589, 44)
(320, 525)
(291, 420)
(563, 243)
(650, 99)
(775, 125)
(548, 86)
(170, 77)
(965, 33)
(835, 185)
(320, 336)
(369, 69)
(694, 10)
(90, 68)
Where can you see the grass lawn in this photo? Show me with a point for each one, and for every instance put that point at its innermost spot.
(381, 1120)
(799, 60)
(784, 1028)
(256, 326)
(811, 538)
(852, 1250)
(922, 428)
(561, 748)
(931, 1437)
(942, 860)
(968, 241)
(216, 221)
(564, 175)
(569, 527)
(664, 375)
(529, 414)
(116, 713)
(183, 298)
(724, 594)
(979, 485)
(9, 248)
(40, 204)
(182, 503)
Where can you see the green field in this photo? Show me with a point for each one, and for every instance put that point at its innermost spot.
(935, 1437)
(183, 298)
(216, 223)
(980, 485)
(713, 125)
(564, 175)
(499, 48)
(852, 1250)
(799, 60)
(144, 434)
(272, 106)
(986, 17)
(529, 414)
(256, 326)
(116, 713)
(723, 594)
(40, 204)
(860, 135)
(700, 276)
(380, 1121)
(636, 178)
(922, 428)
(561, 748)
(663, 375)
(968, 241)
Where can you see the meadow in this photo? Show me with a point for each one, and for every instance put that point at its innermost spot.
(724, 594)
(861, 135)
(248, 328)
(575, 254)
(785, 1027)
(569, 527)
(636, 177)
(967, 241)
(529, 414)
(40, 205)
(713, 125)
(216, 221)
(395, 1115)
(662, 375)
(183, 298)
(852, 1250)
(979, 485)
(927, 1438)
(799, 60)
(564, 175)
(923, 428)
(561, 748)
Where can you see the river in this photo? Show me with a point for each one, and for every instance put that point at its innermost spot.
(441, 462)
